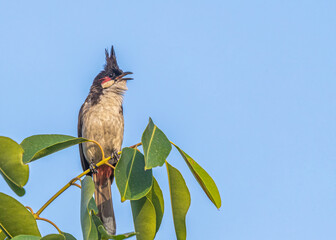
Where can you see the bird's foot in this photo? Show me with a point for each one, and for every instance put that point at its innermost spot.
(93, 167)
(115, 158)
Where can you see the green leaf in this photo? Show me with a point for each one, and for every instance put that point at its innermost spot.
(53, 237)
(26, 237)
(203, 178)
(15, 218)
(144, 218)
(148, 212)
(68, 236)
(180, 200)
(38, 146)
(2, 235)
(132, 180)
(105, 235)
(48, 237)
(156, 146)
(98, 223)
(92, 206)
(18, 190)
(11, 166)
(156, 197)
(87, 210)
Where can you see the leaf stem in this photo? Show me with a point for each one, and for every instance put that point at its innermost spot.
(43, 219)
(100, 147)
(111, 166)
(136, 145)
(77, 185)
(30, 209)
(47, 220)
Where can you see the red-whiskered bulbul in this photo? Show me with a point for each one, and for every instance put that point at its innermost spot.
(101, 119)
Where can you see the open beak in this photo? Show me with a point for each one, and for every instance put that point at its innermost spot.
(121, 77)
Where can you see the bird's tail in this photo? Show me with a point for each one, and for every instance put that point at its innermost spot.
(103, 198)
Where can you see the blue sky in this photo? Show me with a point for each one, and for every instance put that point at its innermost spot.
(245, 87)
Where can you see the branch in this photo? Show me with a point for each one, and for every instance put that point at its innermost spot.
(72, 181)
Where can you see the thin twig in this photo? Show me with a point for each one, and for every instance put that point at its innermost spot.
(101, 149)
(47, 220)
(136, 145)
(30, 209)
(111, 166)
(77, 185)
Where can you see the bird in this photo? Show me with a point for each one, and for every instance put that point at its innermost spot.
(101, 119)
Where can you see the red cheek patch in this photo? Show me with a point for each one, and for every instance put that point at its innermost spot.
(105, 79)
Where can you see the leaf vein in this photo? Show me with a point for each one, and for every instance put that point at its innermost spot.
(151, 140)
(129, 174)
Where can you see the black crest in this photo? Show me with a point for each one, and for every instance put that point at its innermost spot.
(111, 61)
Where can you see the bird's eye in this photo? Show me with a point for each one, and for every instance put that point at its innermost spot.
(110, 75)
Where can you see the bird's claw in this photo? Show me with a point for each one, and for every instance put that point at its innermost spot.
(93, 167)
(115, 158)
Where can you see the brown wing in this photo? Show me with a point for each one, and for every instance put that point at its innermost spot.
(85, 164)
